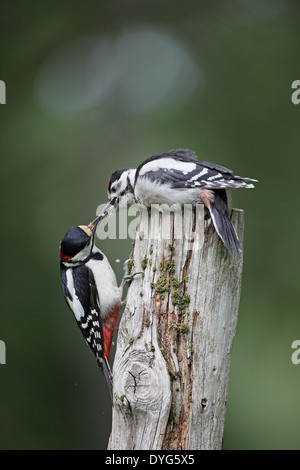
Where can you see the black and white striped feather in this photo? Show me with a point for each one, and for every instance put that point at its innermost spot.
(182, 170)
(81, 294)
(177, 176)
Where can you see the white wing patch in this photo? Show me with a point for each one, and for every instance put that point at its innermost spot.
(75, 303)
(168, 164)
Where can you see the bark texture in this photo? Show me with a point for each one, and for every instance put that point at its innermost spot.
(171, 368)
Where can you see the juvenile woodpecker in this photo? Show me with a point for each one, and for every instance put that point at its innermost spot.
(91, 291)
(177, 176)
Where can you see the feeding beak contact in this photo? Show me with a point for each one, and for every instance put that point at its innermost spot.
(108, 209)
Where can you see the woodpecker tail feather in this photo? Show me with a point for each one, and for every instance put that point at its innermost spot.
(219, 213)
(108, 376)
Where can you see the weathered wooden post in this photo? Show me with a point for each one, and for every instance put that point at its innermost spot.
(171, 368)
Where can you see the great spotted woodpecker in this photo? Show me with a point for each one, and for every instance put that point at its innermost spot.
(91, 291)
(177, 176)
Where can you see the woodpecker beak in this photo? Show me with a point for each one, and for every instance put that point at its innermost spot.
(110, 206)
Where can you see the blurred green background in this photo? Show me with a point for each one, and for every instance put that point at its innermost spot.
(93, 86)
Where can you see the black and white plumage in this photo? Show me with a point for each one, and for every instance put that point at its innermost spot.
(177, 176)
(120, 188)
(91, 291)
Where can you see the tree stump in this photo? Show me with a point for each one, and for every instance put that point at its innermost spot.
(171, 368)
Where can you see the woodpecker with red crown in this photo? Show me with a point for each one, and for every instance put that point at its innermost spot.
(177, 176)
(91, 291)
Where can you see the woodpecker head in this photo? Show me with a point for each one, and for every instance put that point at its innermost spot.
(76, 245)
(78, 242)
(120, 188)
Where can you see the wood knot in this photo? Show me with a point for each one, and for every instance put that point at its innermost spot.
(142, 383)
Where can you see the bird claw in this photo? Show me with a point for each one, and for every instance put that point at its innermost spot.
(127, 277)
(126, 264)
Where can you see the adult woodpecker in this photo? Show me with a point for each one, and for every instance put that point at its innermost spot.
(177, 176)
(91, 291)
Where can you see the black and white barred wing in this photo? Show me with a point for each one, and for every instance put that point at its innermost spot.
(181, 169)
(82, 297)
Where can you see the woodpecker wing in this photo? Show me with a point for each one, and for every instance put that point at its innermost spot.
(96, 335)
(81, 294)
(181, 169)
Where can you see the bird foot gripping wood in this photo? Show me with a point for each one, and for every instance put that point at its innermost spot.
(128, 276)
